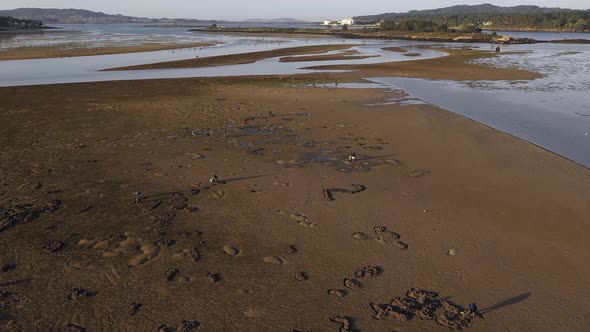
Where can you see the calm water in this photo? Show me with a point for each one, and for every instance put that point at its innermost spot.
(86, 69)
(552, 112)
(545, 36)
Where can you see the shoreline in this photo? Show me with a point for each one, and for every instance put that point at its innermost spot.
(534, 30)
(49, 52)
(393, 35)
(390, 35)
(431, 176)
(27, 30)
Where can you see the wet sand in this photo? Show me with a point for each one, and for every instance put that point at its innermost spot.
(294, 236)
(456, 66)
(396, 49)
(235, 59)
(66, 51)
(346, 55)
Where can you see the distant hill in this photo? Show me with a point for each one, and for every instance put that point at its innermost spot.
(72, 16)
(490, 17)
(462, 10)
(276, 20)
(81, 16)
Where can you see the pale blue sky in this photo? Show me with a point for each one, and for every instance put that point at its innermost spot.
(242, 9)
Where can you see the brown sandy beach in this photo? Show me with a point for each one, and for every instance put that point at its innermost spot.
(66, 51)
(444, 204)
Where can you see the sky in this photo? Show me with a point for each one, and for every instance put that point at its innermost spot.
(312, 10)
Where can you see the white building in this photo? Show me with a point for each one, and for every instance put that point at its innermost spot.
(347, 21)
(328, 22)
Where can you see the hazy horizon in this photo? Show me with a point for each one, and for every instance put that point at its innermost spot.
(263, 9)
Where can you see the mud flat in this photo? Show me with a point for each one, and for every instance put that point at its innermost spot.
(456, 66)
(65, 51)
(257, 204)
(235, 59)
(346, 55)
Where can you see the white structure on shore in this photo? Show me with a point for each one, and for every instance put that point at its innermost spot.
(346, 21)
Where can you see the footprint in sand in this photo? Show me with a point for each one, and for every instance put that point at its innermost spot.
(110, 274)
(393, 162)
(302, 276)
(148, 252)
(123, 243)
(386, 236)
(133, 308)
(274, 260)
(181, 255)
(302, 220)
(345, 323)
(338, 292)
(360, 236)
(171, 273)
(231, 250)
(102, 245)
(54, 246)
(292, 250)
(417, 173)
(213, 277)
(352, 283)
(218, 194)
(253, 313)
(282, 184)
(243, 291)
(368, 271)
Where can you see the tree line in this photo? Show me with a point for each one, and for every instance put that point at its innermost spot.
(578, 20)
(11, 22)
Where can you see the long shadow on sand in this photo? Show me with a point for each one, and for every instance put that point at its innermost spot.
(243, 178)
(15, 282)
(507, 302)
(378, 157)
